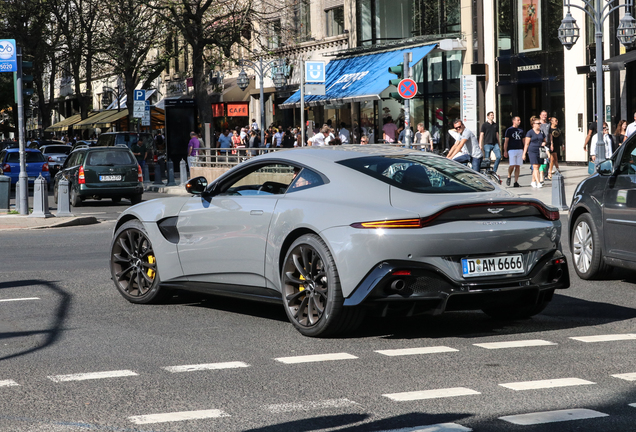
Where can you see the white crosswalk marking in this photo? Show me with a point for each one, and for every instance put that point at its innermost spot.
(207, 366)
(626, 377)
(440, 427)
(552, 416)
(416, 351)
(8, 383)
(606, 338)
(316, 358)
(431, 394)
(20, 299)
(177, 416)
(543, 384)
(515, 344)
(309, 406)
(92, 376)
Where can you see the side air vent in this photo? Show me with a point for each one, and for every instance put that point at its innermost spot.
(168, 228)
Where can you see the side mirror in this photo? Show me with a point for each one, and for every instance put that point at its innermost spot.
(196, 185)
(605, 168)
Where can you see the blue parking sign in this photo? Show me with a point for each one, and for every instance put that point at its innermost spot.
(140, 95)
(315, 71)
(8, 57)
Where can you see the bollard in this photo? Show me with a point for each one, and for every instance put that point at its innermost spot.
(171, 181)
(63, 199)
(145, 173)
(558, 191)
(5, 193)
(158, 174)
(17, 197)
(40, 198)
(183, 172)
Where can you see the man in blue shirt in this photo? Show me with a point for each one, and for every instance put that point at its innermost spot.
(225, 141)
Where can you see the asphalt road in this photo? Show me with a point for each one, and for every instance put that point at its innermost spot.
(66, 319)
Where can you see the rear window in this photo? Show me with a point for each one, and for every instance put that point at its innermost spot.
(57, 149)
(31, 157)
(420, 173)
(132, 139)
(110, 158)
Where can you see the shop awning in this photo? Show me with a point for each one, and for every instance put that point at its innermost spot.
(618, 62)
(91, 120)
(359, 78)
(64, 124)
(113, 116)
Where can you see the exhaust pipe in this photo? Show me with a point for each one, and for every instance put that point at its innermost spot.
(398, 285)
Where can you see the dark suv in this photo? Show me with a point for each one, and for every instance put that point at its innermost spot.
(101, 172)
(111, 139)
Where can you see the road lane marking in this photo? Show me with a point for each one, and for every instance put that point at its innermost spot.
(626, 377)
(316, 358)
(415, 351)
(606, 338)
(439, 427)
(92, 375)
(515, 344)
(553, 416)
(431, 394)
(20, 299)
(8, 383)
(177, 416)
(543, 384)
(206, 366)
(309, 406)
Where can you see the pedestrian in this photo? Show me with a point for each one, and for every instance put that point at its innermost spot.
(466, 148)
(489, 139)
(402, 136)
(254, 125)
(225, 142)
(534, 139)
(193, 149)
(513, 150)
(389, 131)
(544, 159)
(591, 130)
(555, 142)
(330, 135)
(278, 138)
(343, 133)
(254, 142)
(631, 128)
(319, 138)
(545, 122)
(139, 150)
(620, 134)
(423, 138)
(607, 140)
(288, 139)
(364, 140)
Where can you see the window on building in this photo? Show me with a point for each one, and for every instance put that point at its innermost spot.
(335, 21)
(273, 34)
(301, 17)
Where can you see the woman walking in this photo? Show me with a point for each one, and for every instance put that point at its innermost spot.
(532, 148)
(620, 134)
(554, 141)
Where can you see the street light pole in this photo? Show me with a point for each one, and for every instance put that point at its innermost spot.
(626, 34)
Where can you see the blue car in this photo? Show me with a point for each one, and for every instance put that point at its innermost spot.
(35, 164)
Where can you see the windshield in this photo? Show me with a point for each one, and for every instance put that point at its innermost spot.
(421, 173)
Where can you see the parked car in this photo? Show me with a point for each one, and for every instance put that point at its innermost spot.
(36, 164)
(84, 143)
(55, 154)
(98, 172)
(603, 216)
(334, 233)
(129, 139)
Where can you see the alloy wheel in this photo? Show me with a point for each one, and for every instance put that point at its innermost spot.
(133, 262)
(306, 285)
(583, 246)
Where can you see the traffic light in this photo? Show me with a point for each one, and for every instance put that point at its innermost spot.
(27, 78)
(399, 71)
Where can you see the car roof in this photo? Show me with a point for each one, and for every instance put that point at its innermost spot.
(341, 152)
(27, 149)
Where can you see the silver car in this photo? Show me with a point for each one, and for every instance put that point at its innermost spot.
(335, 233)
(55, 155)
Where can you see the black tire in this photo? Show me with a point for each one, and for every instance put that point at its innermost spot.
(135, 199)
(520, 311)
(116, 200)
(315, 308)
(133, 265)
(586, 248)
(76, 201)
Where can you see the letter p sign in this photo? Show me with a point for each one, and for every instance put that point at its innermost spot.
(140, 95)
(315, 71)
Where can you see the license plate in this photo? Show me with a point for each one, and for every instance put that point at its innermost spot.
(488, 266)
(109, 178)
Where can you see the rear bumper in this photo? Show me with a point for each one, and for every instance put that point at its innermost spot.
(429, 290)
(87, 191)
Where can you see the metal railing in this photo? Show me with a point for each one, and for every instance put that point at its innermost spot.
(226, 158)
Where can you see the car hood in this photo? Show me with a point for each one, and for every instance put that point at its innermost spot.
(157, 209)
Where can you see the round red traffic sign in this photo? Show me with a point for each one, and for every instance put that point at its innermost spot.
(407, 88)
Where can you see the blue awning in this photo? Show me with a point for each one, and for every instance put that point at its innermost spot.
(359, 78)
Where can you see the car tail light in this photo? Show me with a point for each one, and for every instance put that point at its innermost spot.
(6, 168)
(401, 273)
(45, 167)
(397, 223)
(140, 176)
(81, 179)
(50, 159)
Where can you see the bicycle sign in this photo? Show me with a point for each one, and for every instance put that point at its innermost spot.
(407, 88)
(8, 58)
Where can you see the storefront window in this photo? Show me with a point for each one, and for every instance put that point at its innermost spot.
(335, 21)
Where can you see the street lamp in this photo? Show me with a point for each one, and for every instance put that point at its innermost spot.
(626, 34)
(260, 69)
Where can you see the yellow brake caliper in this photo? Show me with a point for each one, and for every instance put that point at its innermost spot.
(151, 272)
(301, 287)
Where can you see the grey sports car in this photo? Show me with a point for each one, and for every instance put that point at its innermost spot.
(334, 233)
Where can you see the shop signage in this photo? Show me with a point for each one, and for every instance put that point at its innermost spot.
(8, 59)
(469, 102)
(315, 71)
(349, 79)
(217, 110)
(237, 110)
(528, 67)
(315, 89)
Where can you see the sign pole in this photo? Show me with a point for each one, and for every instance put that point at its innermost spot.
(407, 105)
(302, 102)
(23, 177)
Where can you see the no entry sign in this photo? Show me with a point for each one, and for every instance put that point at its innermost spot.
(407, 88)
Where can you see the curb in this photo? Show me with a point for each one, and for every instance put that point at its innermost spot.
(48, 222)
(169, 190)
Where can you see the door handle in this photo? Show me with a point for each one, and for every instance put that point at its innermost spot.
(256, 212)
